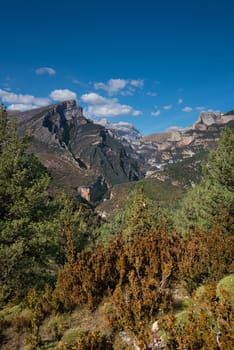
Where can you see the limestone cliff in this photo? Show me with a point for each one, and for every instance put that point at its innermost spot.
(177, 144)
(88, 158)
(75, 150)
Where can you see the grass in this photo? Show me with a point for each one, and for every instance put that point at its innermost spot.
(10, 313)
(70, 336)
(226, 284)
(162, 193)
(200, 293)
(62, 330)
(55, 330)
(182, 317)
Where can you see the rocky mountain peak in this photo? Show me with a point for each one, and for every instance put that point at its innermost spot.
(67, 110)
(62, 118)
(77, 151)
(122, 130)
(177, 144)
(206, 119)
(91, 157)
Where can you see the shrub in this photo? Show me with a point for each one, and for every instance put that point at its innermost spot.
(93, 341)
(206, 256)
(69, 337)
(22, 323)
(207, 324)
(226, 285)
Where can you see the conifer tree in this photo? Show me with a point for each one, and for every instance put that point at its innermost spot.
(140, 214)
(207, 202)
(26, 232)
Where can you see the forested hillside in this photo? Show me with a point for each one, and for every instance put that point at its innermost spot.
(148, 278)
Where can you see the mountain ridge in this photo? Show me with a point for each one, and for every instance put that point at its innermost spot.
(76, 151)
(177, 144)
(87, 157)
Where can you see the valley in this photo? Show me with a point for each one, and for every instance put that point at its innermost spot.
(88, 158)
(108, 243)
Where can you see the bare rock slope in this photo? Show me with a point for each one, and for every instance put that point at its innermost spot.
(76, 151)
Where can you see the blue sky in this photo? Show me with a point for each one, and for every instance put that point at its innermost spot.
(153, 63)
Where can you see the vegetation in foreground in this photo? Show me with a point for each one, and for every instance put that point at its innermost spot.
(145, 280)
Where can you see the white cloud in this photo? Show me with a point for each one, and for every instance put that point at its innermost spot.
(187, 109)
(128, 92)
(100, 86)
(114, 86)
(151, 93)
(94, 98)
(137, 82)
(111, 110)
(213, 110)
(62, 95)
(180, 101)
(156, 113)
(11, 97)
(204, 109)
(21, 107)
(167, 108)
(45, 70)
(23, 102)
(135, 113)
(106, 107)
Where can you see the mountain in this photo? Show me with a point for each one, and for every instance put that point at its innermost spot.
(176, 144)
(122, 130)
(88, 158)
(172, 161)
(82, 157)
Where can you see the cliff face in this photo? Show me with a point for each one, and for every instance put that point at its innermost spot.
(88, 158)
(76, 151)
(176, 145)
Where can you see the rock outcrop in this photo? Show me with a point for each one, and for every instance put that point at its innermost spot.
(206, 119)
(76, 151)
(88, 158)
(177, 144)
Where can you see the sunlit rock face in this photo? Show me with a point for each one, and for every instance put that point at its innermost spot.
(78, 152)
(177, 144)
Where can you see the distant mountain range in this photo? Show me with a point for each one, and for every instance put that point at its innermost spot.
(88, 158)
(177, 144)
(122, 130)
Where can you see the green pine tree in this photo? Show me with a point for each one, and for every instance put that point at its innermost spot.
(214, 196)
(27, 234)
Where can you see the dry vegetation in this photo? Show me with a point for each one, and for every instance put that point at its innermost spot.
(148, 286)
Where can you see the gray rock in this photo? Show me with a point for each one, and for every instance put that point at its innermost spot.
(77, 151)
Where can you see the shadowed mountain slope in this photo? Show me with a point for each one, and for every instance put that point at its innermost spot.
(76, 151)
(88, 159)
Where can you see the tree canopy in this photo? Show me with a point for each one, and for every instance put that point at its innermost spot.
(209, 200)
(32, 223)
(25, 212)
